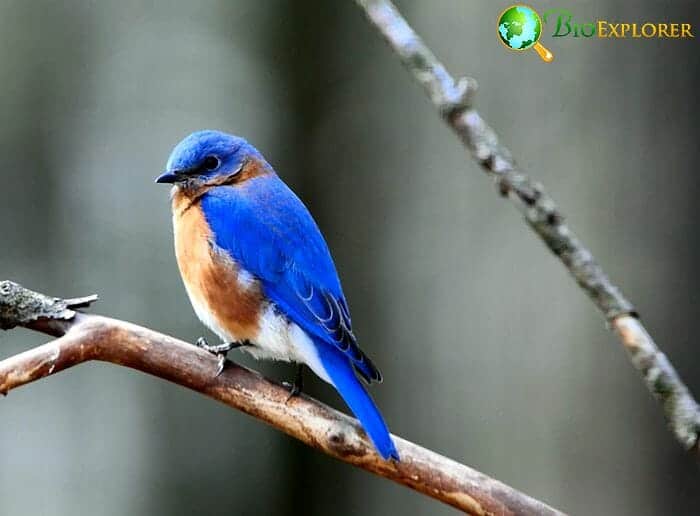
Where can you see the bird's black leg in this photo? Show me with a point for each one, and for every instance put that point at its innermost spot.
(297, 384)
(220, 350)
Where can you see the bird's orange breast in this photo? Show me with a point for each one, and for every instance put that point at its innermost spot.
(212, 279)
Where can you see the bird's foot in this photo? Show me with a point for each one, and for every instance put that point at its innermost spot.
(220, 350)
(217, 349)
(297, 385)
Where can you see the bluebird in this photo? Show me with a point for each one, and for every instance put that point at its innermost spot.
(258, 272)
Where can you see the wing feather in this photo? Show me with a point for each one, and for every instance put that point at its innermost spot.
(272, 235)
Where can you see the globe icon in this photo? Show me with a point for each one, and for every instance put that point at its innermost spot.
(520, 28)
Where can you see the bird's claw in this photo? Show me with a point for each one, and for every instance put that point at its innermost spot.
(218, 350)
(295, 387)
(215, 349)
(294, 390)
(220, 364)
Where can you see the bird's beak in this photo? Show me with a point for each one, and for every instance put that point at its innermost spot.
(170, 176)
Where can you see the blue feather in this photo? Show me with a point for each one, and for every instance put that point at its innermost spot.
(358, 399)
(266, 228)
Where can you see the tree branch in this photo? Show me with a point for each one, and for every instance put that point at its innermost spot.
(453, 99)
(84, 337)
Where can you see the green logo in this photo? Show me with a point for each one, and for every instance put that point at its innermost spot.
(520, 28)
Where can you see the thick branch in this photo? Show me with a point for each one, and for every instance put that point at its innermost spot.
(453, 99)
(89, 337)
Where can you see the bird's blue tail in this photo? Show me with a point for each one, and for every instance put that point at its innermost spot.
(350, 388)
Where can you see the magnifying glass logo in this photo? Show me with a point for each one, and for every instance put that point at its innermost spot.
(519, 28)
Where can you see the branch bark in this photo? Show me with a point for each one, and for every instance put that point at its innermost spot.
(453, 99)
(84, 337)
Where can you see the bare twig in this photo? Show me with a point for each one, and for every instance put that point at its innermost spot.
(453, 99)
(90, 337)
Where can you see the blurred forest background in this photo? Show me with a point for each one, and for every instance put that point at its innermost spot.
(490, 353)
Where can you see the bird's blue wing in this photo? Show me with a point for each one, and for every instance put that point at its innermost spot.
(269, 231)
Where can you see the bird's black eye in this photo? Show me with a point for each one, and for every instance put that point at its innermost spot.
(211, 163)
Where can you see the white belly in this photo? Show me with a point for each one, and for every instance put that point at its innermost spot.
(277, 339)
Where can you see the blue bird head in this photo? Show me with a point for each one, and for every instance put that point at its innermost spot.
(207, 155)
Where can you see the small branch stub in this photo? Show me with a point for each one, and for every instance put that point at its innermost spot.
(20, 306)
